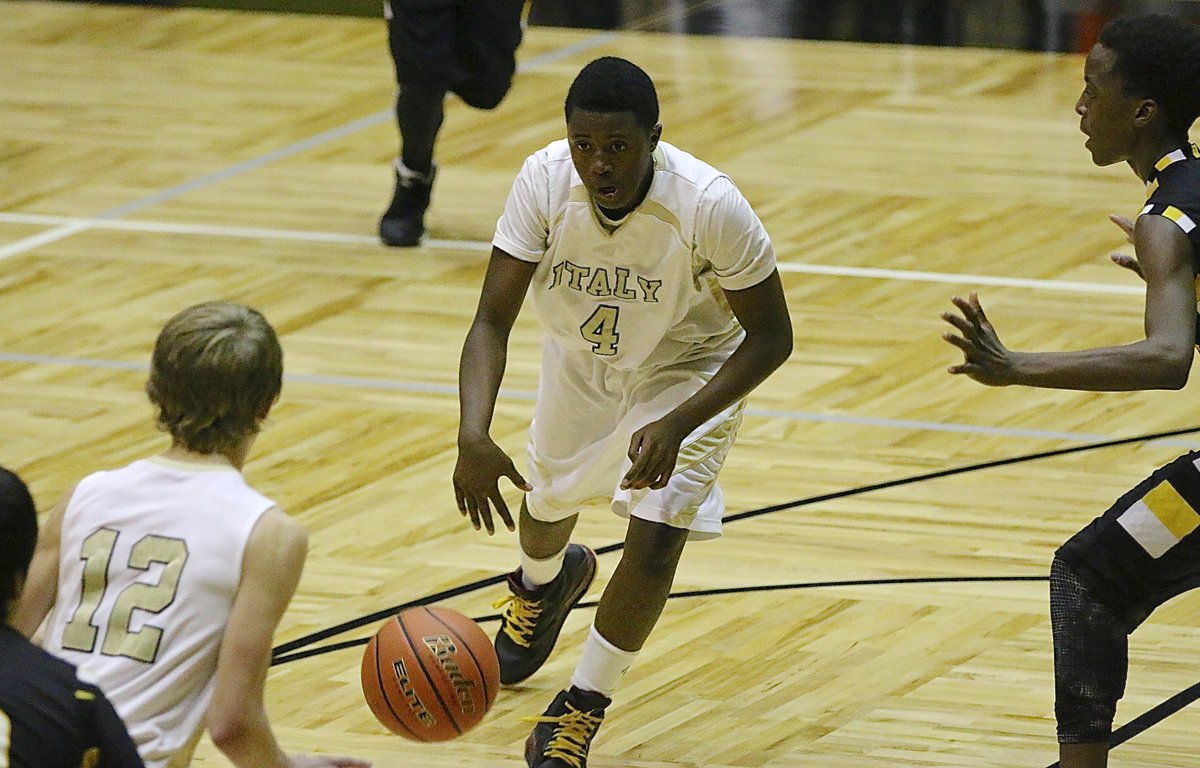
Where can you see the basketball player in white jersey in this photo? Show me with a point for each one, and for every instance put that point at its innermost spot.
(165, 580)
(657, 290)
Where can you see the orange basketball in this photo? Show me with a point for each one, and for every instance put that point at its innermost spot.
(430, 674)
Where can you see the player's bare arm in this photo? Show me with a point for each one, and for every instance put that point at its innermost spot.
(236, 718)
(762, 312)
(41, 585)
(1161, 360)
(481, 463)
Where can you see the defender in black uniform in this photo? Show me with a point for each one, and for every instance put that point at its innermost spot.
(48, 718)
(1141, 96)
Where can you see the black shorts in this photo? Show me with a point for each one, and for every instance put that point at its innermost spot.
(467, 47)
(1145, 548)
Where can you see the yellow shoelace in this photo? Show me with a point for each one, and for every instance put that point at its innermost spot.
(519, 618)
(572, 733)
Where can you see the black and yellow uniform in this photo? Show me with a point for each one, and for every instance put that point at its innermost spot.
(1148, 543)
(49, 719)
(1144, 550)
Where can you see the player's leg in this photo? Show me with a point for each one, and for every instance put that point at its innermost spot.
(1104, 582)
(571, 460)
(421, 37)
(1091, 662)
(660, 523)
(638, 589)
(488, 36)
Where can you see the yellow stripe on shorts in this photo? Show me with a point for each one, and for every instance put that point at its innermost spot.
(1172, 510)
(1159, 519)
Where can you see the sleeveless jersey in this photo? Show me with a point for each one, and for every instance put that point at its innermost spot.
(1173, 191)
(1146, 547)
(647, 291)
(150, 560)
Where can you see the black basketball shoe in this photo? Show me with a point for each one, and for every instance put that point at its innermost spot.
(565, 730)
(533, 618)
(403, 223)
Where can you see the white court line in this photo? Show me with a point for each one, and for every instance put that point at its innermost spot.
(951, 277)
(209, 230)
(414, 387)
(341, 131)
(42, 238)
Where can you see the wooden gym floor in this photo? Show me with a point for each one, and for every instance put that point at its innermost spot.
(879, 597)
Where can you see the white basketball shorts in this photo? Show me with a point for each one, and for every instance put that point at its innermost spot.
(585, 415)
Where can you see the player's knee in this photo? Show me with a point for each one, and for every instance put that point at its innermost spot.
(1084, 719)
(486, 93)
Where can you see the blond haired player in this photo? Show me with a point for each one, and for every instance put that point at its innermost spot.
(165, 579)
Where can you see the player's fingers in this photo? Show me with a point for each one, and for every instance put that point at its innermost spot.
(502, 510)
(473, 511)
(968, 311)
(515, 477)
(460, 499)
(635, 448)
(662, 480)
(963, 344)
(657, 463)
(981, 316)
(1125, 223)
(633, 478)
(485, 515)
(1128, 262)
(959, 322)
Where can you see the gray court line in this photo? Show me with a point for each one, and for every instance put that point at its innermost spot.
(392, 385)
(59, 233)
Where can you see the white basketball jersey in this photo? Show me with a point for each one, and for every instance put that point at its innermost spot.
(150, 560)
(647, 291)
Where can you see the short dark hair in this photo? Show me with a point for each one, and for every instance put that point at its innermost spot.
(610, 84)
(18, 535)
(1158, 57)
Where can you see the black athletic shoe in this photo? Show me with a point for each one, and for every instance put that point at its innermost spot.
(403, 223)
(534, 618)
(565, 731)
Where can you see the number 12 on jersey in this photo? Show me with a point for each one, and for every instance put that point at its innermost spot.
(120, 639)
(601, 330)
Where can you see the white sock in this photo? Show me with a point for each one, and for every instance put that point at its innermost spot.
(602, 665)
(535, 573)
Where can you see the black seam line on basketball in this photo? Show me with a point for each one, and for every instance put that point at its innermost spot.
(416, 654)
(464, 645)
(388, 699)
(370, 618)
(304, 654)
(450, 633)
(1150, 717)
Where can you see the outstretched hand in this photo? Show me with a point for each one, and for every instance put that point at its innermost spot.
(477, 475)
(1123, 259)
(985, 358)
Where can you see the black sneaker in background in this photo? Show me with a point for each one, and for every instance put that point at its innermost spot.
(403, 223)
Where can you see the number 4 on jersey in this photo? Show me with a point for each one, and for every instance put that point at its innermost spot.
(601, 330)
